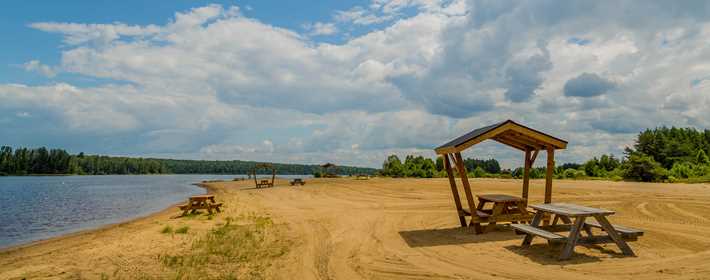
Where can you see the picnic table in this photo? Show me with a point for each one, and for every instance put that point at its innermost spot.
(565, 212)
(264, 184)
(506, 208)
(198, 202)
(297, 181)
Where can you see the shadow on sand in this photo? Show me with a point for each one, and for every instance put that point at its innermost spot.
(545, 254)
(454, 236)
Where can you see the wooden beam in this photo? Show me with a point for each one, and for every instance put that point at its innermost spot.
(526, 175)
(539, 136)
(532, 141)
(524, 142)
(549, 174)
(454, 191)
(513, 142)
(534, 156)
(466, 187)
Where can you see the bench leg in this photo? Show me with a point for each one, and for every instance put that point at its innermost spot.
(588, 230)
(614, 235)
(535, 222)
(572, 239)
(477, 228)
(497, 210)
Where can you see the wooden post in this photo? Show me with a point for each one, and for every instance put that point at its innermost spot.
(549, 174)
(454, 190)
(526, 175)
(467, 190)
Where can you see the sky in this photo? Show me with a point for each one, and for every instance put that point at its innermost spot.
(348, 82)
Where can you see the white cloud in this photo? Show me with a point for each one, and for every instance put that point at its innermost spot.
(319, 28)
(36, 66)
(213, 83)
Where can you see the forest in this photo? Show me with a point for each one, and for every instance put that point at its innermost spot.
(43, 161)
(658, 155)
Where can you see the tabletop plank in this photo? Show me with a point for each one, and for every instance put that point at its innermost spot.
(571, 210)
(499, 198)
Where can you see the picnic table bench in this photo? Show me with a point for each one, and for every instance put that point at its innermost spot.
(505, 208)
(565, 212)
(198, 202)
(264, 184)
(297, 181)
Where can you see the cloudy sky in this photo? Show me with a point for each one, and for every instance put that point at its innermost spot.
(346, 81)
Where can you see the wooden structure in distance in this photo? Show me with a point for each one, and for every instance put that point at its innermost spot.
(512, 134)
(264, 183)
(330, 170)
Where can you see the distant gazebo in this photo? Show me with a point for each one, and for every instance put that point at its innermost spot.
(330, 170)
(264, 183)
(506, 208)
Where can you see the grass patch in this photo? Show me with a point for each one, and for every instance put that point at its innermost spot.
(182, 230)
(166, 230)
(242, 248)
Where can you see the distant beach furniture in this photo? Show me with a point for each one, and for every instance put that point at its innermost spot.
(297, 181)
(264, 183)
(198, 202)
(330, 170)
(505, 208)
(362, 177)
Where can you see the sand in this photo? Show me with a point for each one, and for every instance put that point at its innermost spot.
(400, 229)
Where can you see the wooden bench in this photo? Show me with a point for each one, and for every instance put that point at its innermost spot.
(550, 236)
(479, 213)
(216, 206)
(625, 232)
(297, 181)
(264, 184)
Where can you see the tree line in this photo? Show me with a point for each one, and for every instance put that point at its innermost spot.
(43, 161)
(658, 155)
(245, 167)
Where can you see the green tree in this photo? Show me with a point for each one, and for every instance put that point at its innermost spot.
(641, 167)
(702, 157)
(393, 167)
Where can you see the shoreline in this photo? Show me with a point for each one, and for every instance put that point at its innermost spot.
(377, 229)
(103, 228)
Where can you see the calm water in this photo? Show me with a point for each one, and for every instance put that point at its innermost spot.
(34, 208)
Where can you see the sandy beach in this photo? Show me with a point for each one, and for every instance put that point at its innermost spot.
(385, 228)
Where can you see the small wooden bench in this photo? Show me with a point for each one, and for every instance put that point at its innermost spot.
(550, 236)
(479, 213)
(625, 232)
(216, 206)
(297, 181)
(264, 184)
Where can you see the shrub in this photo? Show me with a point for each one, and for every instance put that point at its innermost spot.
(167, 229)
(478, 173)
(182, 230)
(682, 170)
(641, 167)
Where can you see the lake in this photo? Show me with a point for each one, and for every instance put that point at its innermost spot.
(40, 207)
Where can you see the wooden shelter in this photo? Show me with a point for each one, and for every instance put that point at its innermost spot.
(330, 170)
(506, 208)
(264, 183)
